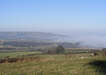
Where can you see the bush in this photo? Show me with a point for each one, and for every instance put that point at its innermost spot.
(60, 49)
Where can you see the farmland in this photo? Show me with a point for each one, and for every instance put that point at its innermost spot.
(16, 54)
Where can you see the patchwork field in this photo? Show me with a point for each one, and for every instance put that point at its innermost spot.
(74, 64)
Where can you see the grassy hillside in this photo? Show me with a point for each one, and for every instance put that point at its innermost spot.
(74, 64)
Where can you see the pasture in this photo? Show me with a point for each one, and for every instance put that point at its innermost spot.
(17, 54)
(74, 64)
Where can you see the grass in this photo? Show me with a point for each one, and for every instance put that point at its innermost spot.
(76, 64)
(17, 54)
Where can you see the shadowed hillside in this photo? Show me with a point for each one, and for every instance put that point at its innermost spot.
(100, 66)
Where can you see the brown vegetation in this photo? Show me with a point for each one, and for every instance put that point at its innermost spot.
(13, 60)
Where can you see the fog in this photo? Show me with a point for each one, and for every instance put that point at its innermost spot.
(89, 38)
(94, 38)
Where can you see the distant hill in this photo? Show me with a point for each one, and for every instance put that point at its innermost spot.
(34, 39)
(35, 36)
(43, 39)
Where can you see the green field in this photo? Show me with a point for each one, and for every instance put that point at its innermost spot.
(17, 54)
(74, 64)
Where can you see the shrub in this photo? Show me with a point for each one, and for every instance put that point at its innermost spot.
(60, 49)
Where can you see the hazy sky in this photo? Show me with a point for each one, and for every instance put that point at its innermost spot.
(60, 16)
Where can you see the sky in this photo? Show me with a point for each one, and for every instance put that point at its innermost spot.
(52, 15)
(71, 17)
